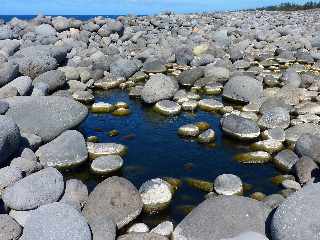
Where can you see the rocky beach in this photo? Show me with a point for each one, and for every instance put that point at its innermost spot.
(107, 124)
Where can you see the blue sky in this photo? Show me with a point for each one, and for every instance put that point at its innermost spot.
(107, 7)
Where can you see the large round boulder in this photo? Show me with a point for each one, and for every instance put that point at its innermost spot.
(46, 117)
(222, 217)
(243, 89)
(56, 221)
(159, 87)
(116, 198)
(297, 217)
(43, 187)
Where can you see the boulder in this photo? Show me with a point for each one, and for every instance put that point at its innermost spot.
(189, 77)
(308, 145)
(10, 229)
(76, 193)
(8, 72)
(55, 79)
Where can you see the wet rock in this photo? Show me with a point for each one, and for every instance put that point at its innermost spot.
(138, 228)
(258, 157)
(189, 77)
(76, 193)
(56, 221)
(8, 72)
(199, 184)
(231, 215)
(190, 105)
(306, 170)
(67, 150)
(43, 187)
(55, 80)
(159, 87)
(240, 127)
(102, 107)
(167, 107)
(103, 228)
(9, 139)
(156, 195)
(210, 105)
(10, 229)
(308, 145)
(277, 117)
(116, 198)
(243, 89)
(213, 88)
(270, 146)
(285, 160)
(189, 130)
(142, 236)
(106, 164)
(290, 184)
(104, 149)
(207, 136)
(228, 184)
(295, 217)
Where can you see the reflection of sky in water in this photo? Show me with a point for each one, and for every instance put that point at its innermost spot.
(155, 150)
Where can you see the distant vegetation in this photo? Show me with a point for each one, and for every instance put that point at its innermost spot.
(292, 6)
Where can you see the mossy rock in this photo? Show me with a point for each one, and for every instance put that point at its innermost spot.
(202, 185)
(203, 126)
(277, 180)
(113, 133)
(121, 112)
(271, 146)
(258, 157)
(102, 108)
(174, 182)
(121, 105)
(93, 139)
(259, 196)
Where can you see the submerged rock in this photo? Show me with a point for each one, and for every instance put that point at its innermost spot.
(106, 164)
(104, 149)
(168, 108)
(189, 130)
(228, 184)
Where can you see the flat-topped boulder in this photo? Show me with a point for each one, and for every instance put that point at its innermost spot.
(46, 117)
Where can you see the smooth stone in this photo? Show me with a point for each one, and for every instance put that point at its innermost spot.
(26, 166)
(285, 159)
(106, 164)
(10, 138)
(104, 149)
(102, 107)
(142, 236)
(155, 66)
(276, 134)
(56, 221)
(67, 150)
(228, 184)
(189, 130)
(189, 77)
(240, 127)
(136, 91)
(75, 193)
(277, 117)
(163, 229)
(308, 145)
(231, 215)
(293, 133)
(210, 105)
(124, 67)
(21, 217)
(202, 185)
(248, 236)
(51, 117)
(207, 136)
(156, 195)
(190, 105)
(159, 87)
(270, 146)
(271, 103)
(306, 170)
(257, 157)
(167, 107)
(120, 112)
(83, 96)
(40, 188)
(10, 229)
(116, 198)
(103, 228)
(8, 176)
(138, 228)
(295, 217)
(22, 84)
(55, 79)
(242, 88)
(213, 88)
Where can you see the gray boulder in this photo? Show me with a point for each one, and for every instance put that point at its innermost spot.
(239, 127)
(45, 186)
(189, 77)
(22, 84)
(67, 150)
(56, 221)
(8, 72)
(111, 27)
(277, 117)
(61, 23)
(159, 87)
(222, 217)
(291, 77)
(55, 79)
(308, 145)
(45, 30)
(4, 106)
(295, 132)
(306, 170)
(9, 138)
(8, 176)
(285, 159)
(5, 32)
(76, 193)
(103, 228)
(116, 198)
(46, 117)
(296, 217)
(124, 67)
(10, 229)
(243, 89)
(248, 236)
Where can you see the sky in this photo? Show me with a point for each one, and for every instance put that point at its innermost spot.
(122, 7)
